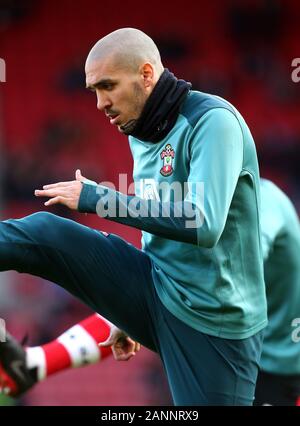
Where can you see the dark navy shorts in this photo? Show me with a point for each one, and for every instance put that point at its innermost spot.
(115, 279)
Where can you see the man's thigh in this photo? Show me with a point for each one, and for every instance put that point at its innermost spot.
(208, 370)
(108, 274)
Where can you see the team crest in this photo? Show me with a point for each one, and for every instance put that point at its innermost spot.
(167, 155)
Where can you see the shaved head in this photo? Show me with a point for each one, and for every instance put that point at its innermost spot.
(128, 48)
(122, 69)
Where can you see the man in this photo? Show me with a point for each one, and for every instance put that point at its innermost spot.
(191, 294)
(279, 379)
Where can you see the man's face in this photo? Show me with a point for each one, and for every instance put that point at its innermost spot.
(121, 93)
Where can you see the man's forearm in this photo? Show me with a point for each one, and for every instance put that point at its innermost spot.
(177, 221)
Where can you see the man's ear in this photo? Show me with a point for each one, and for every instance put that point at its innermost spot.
(147, 73)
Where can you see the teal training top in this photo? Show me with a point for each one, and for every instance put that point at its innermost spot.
(207, 262)
(281, 249)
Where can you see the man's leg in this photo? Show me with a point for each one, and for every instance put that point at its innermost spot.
(208, 370)
(76, 347)
(108, 274)
(114, 278)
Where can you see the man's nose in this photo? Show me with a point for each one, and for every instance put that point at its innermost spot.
(103, 102)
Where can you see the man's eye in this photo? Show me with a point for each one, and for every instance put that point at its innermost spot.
(108, 86)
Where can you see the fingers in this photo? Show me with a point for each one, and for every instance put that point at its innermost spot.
(117, 349)
(58, 200)
(137, 347)
(125, 349)
(81, 178)
(122, 346)
(57, 197)
(121, 356)
(114, 337)
(49, 192)
(67, 193)
(65, 189)
(78, 175)
(122, 352)
(130, 344)
(109, 342)
(58, 185)
(132, 348)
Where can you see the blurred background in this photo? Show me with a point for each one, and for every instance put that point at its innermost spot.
(49, 126)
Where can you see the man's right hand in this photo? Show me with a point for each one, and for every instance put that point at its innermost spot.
(66, 193)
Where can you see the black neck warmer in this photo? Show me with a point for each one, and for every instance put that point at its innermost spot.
(161, 108)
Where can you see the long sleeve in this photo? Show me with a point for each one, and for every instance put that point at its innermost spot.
(216, 154)
(271, 218)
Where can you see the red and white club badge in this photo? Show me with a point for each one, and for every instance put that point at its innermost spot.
(167, 155)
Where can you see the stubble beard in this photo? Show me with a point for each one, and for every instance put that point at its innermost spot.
(128, 127)
(140, 100)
